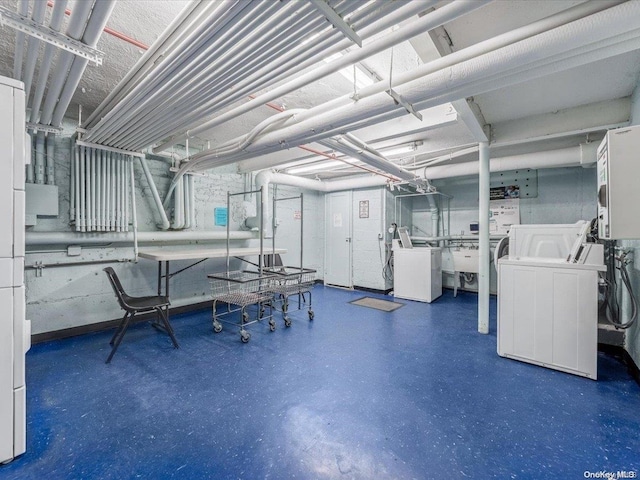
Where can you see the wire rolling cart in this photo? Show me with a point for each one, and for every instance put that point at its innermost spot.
(242, 288)
(287, 280)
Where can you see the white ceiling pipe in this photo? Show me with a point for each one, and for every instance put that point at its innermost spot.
(466, 79)
(572, 14)
(98, 187)
(180, 24)
(178, 206)
(225, 10)
(89, 179)
(40, 152)
(164, 221)
(73, 183)
(75, 28)
(23, 9)
(125, 190)
(33, 47)
(192, 190)
(564, 157)
(110, 191)
(188, 95)
(99, 17)
(403, 9)
(449, 84)
(327, 46)
(417, 27)
(351, 145)
(187, 202)
(49, 52)
(82, 204)
(103, 190)
(51, 160)
(206, 93)
(175, 91)
(71, 238)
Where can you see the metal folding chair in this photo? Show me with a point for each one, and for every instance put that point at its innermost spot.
(132, 306)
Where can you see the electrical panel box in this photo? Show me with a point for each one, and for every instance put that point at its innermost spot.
(618, 192)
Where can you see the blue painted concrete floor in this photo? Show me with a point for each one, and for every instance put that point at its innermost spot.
(355, 394)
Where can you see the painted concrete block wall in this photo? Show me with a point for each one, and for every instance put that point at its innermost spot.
(71, 296)
(287, 233)
(368, 239)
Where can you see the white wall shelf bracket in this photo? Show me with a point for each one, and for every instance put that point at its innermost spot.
(46, 34)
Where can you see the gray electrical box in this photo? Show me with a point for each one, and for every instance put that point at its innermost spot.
(618, 192)
(41, 200)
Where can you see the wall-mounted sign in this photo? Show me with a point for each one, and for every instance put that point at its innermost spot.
(220, 215)
(364, 209)
(297, 215)
(508, 191)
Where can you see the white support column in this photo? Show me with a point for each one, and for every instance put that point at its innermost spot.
(483, 216)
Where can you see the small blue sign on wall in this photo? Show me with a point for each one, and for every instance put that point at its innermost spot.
(220, 216)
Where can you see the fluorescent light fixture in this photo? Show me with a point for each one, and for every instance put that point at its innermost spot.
(400, 150)
(316, 167)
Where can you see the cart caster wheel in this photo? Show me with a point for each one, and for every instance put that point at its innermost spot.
(217, 327)
(245, 317)
(311, 314)
(272, 325)
(261, 312)
(287, 322)
(245, 337)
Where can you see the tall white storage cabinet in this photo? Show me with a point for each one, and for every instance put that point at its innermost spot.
(14, 328)
(417, 273)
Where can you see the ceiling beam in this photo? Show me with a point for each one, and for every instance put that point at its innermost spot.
(594, 117)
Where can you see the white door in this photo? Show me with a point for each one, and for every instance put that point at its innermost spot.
(337, 265)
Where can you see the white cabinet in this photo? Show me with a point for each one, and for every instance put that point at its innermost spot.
(548, 314)
(14, 328)
(417, 273)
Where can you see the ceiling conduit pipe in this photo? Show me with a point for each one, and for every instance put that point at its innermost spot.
(271, 68)
(77, 23)
(458, 81)
(575, 44)
(187, 202)
(40, 152)
(433, 19)
(570, 15)
(226, 48)
(33, 46)
(71, 238)
(565, 157)
(178, 206)
(186, 45)
(266, 177)
(51, 161)
(99, 17)
(351, 145)
(151, 55)
(30, 145)
(198, 93)
(23, 9)
(57, 17)
(164, 221)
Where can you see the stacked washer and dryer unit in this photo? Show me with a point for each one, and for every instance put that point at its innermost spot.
(548, 282)
(15, 332)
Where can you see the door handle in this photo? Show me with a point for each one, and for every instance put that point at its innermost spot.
(348, 239)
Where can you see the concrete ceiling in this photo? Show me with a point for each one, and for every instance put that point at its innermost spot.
(608, 80)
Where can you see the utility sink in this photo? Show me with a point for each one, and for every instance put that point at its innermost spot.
(465, 260)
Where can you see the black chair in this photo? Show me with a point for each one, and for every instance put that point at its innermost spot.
(133, 305)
